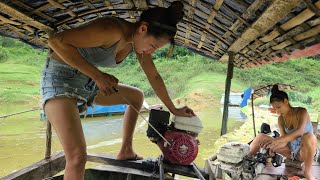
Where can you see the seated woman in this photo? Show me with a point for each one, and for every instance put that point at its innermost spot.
(296, 140)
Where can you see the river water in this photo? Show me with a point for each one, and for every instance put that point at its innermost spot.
(22, 137)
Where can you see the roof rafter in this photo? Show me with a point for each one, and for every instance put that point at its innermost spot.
(23, 17)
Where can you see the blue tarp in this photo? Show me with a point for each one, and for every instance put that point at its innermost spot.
(246, 96)
(121, 108)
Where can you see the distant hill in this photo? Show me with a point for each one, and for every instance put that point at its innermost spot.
(20, 67)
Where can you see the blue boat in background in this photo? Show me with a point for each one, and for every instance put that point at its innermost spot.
(98, 110)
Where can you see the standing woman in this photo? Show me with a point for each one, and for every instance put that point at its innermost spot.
(296, 140)
(71, 75)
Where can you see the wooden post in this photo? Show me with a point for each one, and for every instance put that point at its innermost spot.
(227, 93)
(253, 121)
(48, 140)
(49, 127)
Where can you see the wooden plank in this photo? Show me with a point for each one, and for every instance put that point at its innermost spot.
(104, 9)
(40, 170)
(282, 45)
(202, 39)
(312, 32)
(32, 11)
(236, 15)
(200, 26)
(26, 37)
(122, 170)
(56, 4)
(300, 18)
(247, 14)
(293, 32)
(312, 7)
(297, 53)
(110, 160)
(314, 22)
(191, 9)
(6, 20)
(273, 14)
(109, 6)
(21, 16)
(141, 4)
(214, 11)
(273, 34)
(291, 171)
(160, 3)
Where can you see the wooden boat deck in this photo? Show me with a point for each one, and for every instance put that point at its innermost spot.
(291, 171)
(112, 168)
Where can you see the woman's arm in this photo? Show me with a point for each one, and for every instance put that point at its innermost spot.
(280, 125)
(302, 117)
(158, 85)
(102, 32)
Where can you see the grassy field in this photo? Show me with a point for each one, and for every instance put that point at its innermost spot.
(20, 83)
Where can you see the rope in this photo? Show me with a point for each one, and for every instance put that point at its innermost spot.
(4, 116)
(144, 119)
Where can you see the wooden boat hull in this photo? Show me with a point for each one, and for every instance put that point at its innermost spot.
(114, 169)
(109, 172)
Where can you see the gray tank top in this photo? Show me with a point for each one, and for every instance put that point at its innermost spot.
(100, 57)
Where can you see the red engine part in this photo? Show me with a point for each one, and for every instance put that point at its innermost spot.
(183, 149)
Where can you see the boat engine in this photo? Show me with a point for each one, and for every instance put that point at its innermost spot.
(236, 162)
(178, 143)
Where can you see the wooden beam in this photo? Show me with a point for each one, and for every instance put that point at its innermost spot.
(273, 14)
(23, 36)
(312, 32)
(214, 11)
(130, 5)
(246, 15)
(300, 18)
(160, 3)
(109, 6)
(312, 7)
(40, 170)
(227, 93)
(4, 8)
(110, 160)
(295, 21)
(32, 11)
(141, 4)
(6, 20)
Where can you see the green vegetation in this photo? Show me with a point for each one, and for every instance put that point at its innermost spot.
(21, 66)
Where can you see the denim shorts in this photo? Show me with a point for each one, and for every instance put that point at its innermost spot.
(59, 80)
(295, 147)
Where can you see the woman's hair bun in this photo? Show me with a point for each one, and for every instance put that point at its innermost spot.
(275, 89)
(176, 10)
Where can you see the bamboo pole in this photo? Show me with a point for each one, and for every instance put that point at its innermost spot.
(227, 93)
(49, 127)
(253, 120)
(48, 140)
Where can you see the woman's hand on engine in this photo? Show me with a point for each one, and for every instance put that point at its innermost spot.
(272, 144)
(268, 143)
(184, 112)
(106, 83)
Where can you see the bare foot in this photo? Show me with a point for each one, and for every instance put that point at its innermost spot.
(129, 156)
(310, 177)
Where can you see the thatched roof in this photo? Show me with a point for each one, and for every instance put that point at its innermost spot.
(258, 31)
(264, 90)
